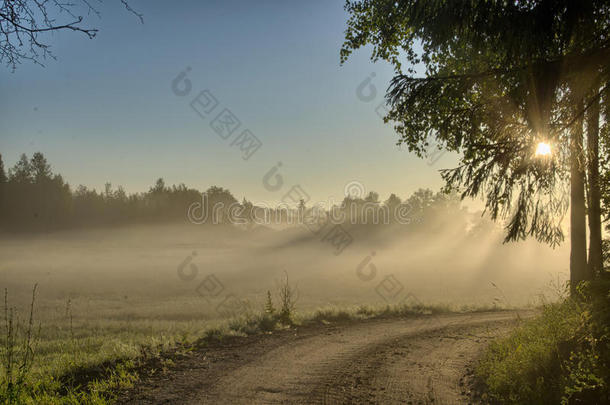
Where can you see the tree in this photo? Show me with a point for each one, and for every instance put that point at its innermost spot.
(596, 261)
(21, 173)
(41, 170)
(372, 197)
(24, 24)
(219, 205)
(247, 211)
(301, 210)
(108, 193)
(3, 178)
(501, 77)
(604, 182)
(393, 202)
(578, 230)
(421, 199)
(159, 187)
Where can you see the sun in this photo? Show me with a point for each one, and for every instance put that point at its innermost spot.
(543, 149)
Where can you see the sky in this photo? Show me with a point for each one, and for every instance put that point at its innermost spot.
(107, 110)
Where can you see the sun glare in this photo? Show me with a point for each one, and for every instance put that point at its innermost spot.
(543, 149)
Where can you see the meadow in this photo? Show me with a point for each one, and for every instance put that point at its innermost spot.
(110, 295)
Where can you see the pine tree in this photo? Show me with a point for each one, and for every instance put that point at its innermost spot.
(22, 171)
(3, 178)
(159, 187)
(40, 168)
(3, 186)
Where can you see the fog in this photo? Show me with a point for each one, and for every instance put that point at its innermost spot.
(183, 271)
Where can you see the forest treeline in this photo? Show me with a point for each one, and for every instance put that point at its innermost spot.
(33, 198)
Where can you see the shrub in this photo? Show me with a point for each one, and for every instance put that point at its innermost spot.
(562, 356)
(332, 315)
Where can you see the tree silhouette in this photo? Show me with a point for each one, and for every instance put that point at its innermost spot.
(21, 173)
(393, 203)
(3, 178)
(3, 189)
(24, 25)
(36, 199)
(159, 187)
(372, 197)
(501, 77)
(40, 168)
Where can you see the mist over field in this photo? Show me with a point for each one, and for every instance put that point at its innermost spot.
(315, 202)
(132, 272)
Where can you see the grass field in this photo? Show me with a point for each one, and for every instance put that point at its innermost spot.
(78, 359)
(106, 298)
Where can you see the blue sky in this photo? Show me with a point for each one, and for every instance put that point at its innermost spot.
(105, 110)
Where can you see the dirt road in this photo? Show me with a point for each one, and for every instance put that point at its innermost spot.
(383, 361)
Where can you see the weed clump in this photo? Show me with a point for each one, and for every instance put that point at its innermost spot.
(17, 353)
(269, 308)
(288, 299)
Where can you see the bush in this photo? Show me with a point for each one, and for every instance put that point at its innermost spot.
(560, 357)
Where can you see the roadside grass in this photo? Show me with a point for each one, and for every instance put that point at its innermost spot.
(560, 357)
(64, 354)
(85, 369)
(73, 359)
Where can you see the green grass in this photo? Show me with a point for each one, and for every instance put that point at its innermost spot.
(84, 352)
(562, 356)
(87, 357)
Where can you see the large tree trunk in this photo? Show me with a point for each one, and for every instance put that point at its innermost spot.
(578, 232)
(595, 223)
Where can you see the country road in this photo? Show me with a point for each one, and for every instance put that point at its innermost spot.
(421, 360)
